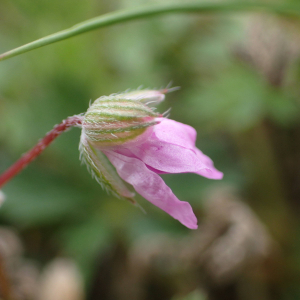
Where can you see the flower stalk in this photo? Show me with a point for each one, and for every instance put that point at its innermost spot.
(149, 11)
(39, 147)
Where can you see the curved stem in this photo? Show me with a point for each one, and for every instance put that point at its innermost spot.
(148, 11)
(39, 148)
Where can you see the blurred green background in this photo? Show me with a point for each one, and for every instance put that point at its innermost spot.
(239, 77)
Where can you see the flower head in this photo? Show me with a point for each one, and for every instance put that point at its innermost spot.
(124, 140)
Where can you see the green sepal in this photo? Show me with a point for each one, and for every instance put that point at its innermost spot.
(103, 171)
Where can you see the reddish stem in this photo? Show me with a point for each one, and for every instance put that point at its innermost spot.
(38, 148)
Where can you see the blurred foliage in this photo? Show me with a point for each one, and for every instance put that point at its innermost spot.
(196, 295)
(247, 122)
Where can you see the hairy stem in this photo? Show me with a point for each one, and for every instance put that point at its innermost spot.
(148, 11)
(38, 148)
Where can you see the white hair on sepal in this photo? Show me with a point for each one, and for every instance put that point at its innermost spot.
(140, 207)
(169, 84)
(166, 114)
(150, 102)
(170, 90)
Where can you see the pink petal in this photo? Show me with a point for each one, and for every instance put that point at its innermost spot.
(168, 157)
(171, 149)
(152, 187)
(175, 133)
(210, 171)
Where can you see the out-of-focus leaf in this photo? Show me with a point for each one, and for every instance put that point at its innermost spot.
(41, 200)
(85, 242)
(234, 100)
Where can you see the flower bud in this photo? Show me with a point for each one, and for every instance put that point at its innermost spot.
(117, 119)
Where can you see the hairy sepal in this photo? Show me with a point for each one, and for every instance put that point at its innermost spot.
(115, 120)
(103, 171)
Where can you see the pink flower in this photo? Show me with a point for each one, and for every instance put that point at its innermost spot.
(163, 146)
